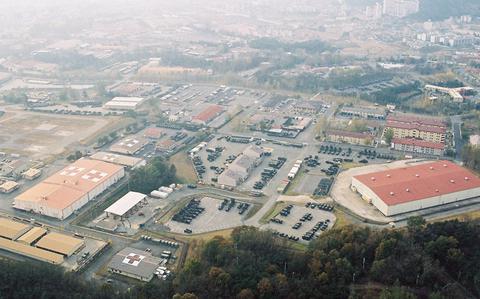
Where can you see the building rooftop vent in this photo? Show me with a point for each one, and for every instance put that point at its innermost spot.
(392, 193)
(467, 178)
(452, 181)
(372, 178)
(431, 168)
(436, 190)
(417, 175)
(389, 175)
(408, 190)
(444, 165)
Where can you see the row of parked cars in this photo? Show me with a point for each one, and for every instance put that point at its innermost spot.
(228, 204)
(332, 169)
(189, 212)
(199, 167)
(286, 211)
(334, 150)
(320, 206)
(269, 172)
(306, 217)
(321, 225)
(323, 187)
(277, 163)
(160, 241)
(312, 161)
(283, 235)
(213, 154)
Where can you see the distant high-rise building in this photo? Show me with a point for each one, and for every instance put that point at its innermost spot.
(400, 8)
(374, 11)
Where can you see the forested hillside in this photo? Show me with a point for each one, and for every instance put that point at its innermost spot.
(438, 260)
(443, 9)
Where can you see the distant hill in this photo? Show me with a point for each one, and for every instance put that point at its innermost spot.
(434, 9)
(443, 9)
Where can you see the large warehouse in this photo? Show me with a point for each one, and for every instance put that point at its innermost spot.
(412, 188)
(69, 189)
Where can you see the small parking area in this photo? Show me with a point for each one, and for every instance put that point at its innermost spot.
(287, 225)
(209, 214)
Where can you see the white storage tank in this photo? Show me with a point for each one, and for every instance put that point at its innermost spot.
(165, 189)
(159, 194)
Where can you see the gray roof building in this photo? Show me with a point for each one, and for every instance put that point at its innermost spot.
(134, 263)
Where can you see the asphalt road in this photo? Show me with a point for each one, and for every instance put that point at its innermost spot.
(457, 135)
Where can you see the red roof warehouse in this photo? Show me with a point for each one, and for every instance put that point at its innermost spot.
(208, 114)
(417, 187)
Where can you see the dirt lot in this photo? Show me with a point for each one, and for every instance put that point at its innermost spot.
(41, 135)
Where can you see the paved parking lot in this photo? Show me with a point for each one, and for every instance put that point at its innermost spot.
(308, 182)
(296, 213)
(211, 219)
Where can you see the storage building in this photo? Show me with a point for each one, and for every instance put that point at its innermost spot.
(9, 187)
(32, 235)
(69, 189)
(31, 252)
(12, 230)
(412, 188)
(124, 103)
(32, 174)
(127, 161)
(129, 145)
(125, 204)
(60, 243)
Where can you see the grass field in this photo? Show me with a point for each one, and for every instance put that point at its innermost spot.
(293, 185)
(272, 212)
(349, 165)
(469, 216)
(185, 171)
(342, 219)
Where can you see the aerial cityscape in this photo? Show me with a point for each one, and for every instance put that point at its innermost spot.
(240, 149)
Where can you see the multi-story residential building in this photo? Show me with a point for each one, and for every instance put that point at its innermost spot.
(308, 107)
(364, 112)
(349, 137)
(410, 127)
(412, 145)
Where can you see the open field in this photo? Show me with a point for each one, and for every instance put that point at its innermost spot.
(185, 171)
(42, 135)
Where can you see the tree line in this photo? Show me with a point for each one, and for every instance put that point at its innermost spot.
(438, 260)
(155, 174)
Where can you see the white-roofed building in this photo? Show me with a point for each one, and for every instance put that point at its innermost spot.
(129, 145)
(123, 160)
(124, 103)
(125, 204)
(239, 170)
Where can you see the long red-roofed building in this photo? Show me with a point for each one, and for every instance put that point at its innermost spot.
(431, 130)
(412, 188)
(413, 145)
(208, 114)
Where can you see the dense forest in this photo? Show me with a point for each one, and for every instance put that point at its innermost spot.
(439, 260)
(471, 157)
